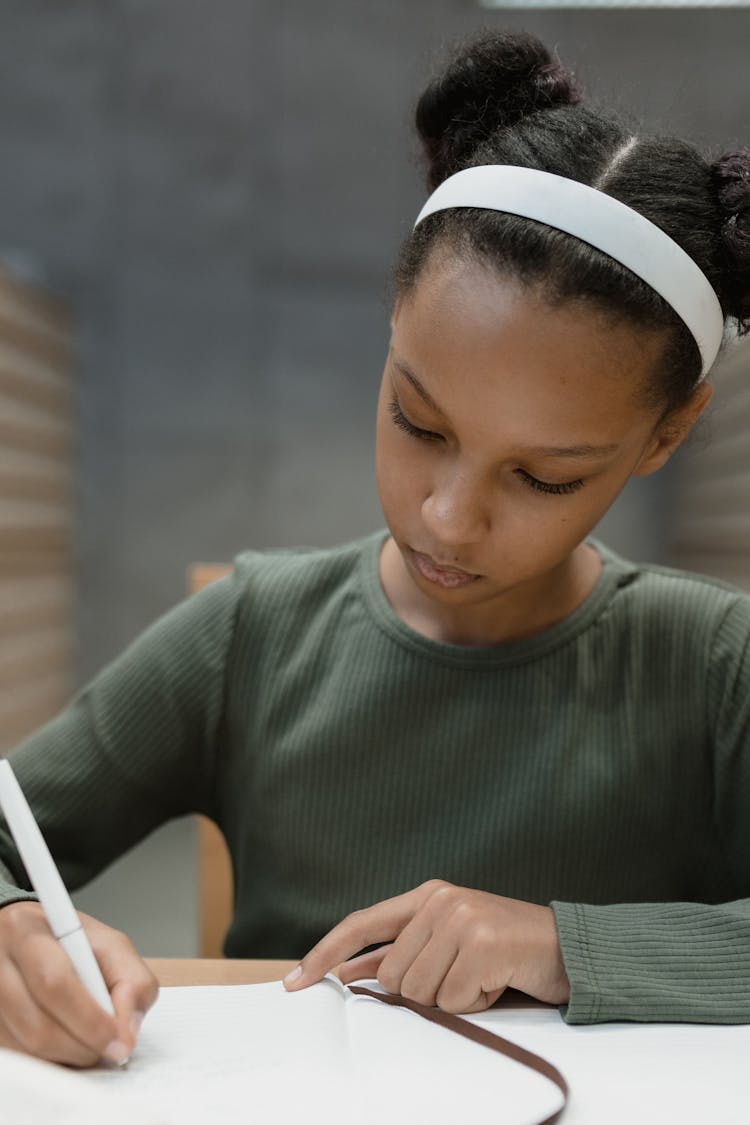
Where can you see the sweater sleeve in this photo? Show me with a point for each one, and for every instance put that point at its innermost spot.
(680, 961)
(134, 749)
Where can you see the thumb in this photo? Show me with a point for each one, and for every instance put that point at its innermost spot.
(131, 1006)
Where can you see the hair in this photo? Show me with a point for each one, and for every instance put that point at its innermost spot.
(503, 99)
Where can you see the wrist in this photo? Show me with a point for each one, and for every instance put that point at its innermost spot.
(559, 983)
(541, 968)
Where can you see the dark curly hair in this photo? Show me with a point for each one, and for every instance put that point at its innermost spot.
(503, 99)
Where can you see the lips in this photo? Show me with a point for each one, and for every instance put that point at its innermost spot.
(450, 577)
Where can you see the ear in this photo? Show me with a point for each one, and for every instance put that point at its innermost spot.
(672, 431)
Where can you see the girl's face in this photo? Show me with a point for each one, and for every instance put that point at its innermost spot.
(506, 428)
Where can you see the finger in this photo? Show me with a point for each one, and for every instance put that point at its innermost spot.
(58, 990)
(132, 985)
(461, 989)
(364, 967)
(424, 977)
(404, 952)
(27, 1026)
(371, 926)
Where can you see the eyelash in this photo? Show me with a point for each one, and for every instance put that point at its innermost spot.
(403, 423)
(564, 489)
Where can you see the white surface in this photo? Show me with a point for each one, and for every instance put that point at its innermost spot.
(228, 1055)
(35, 1093)
(694, 1074)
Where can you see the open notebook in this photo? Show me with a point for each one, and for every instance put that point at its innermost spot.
(254, 1053)
(226, 1055)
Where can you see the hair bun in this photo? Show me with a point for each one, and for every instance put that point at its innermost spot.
(490, 83)
(731, 179)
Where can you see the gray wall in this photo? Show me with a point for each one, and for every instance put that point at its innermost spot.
(219, 188)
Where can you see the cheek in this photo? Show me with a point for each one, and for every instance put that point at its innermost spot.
(384, 453)
(387, 465)
(540, 529)
(403, 481)
(397, 462)
(398, 475)
(562, 525)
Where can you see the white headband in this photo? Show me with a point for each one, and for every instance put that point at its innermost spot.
(603, 222)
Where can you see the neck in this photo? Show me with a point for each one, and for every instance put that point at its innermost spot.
(512, 615)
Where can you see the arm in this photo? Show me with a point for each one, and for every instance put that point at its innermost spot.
(668, 962)
(134, 749)
(137, 747)
(683, 961)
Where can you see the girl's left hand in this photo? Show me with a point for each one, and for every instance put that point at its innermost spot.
(452, 947)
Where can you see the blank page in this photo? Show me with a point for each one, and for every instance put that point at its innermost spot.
(229, 1054)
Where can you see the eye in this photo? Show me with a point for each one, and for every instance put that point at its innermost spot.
(404, 424)
(563, 489)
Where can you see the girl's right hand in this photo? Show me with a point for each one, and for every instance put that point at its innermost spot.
(46, 1011)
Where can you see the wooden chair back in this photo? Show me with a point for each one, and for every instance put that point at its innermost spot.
(215, 883)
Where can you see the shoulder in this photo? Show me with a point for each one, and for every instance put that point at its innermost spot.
(297, 582)
(295, 605)
(676, 605)
(296, 571)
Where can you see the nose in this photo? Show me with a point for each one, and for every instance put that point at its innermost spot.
(455, 512)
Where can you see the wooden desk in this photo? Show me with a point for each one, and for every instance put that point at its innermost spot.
(203, 970)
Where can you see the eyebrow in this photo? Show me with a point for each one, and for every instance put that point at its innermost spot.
(421, 391)
(577, 451)
(574, 450)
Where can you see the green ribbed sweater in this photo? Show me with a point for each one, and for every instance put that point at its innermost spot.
(602, 766)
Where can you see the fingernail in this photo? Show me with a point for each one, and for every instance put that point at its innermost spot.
(295, 974)
(136, 1019)
(116, 1052)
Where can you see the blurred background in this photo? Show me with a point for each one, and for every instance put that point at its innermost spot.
(200, 204)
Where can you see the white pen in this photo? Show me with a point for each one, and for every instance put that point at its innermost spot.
(45, 878)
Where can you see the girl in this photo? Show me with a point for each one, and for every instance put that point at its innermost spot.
(530, 755)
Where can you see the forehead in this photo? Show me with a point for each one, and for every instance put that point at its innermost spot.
(484, 344)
